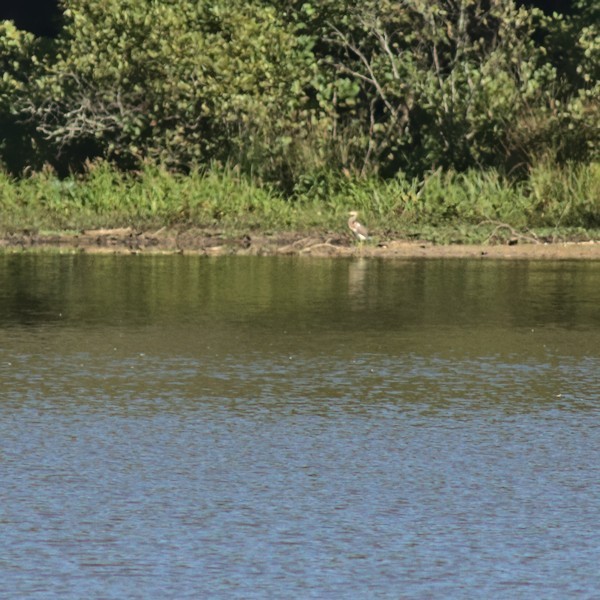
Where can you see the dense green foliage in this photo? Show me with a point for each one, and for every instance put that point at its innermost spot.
(442, 206)
(305, 97)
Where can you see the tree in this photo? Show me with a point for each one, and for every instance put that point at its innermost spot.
(441, 82)
(180, 83)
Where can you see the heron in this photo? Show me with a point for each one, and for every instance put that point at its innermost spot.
(358, 229)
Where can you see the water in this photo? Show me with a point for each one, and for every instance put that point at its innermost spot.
(183, 427)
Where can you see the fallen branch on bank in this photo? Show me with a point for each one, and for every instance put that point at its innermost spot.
(515, 235)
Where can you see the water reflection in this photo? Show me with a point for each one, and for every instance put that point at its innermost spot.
(178, 427)
(141, 290)
(357, 278)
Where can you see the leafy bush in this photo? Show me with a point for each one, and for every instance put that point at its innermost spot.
(305, 95)
(179, 83)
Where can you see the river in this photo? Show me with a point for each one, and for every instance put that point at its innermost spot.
(243, 427)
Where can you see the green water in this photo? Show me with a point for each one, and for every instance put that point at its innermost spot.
(184, 427)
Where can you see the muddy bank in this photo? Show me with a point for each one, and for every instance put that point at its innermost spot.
(216, 243)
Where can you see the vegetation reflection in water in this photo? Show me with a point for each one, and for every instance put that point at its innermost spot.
(353, 294)
(252, 320)
(263, 427)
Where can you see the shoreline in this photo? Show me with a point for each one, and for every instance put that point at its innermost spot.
(216, 243)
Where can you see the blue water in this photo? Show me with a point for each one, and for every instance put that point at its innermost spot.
(246, 448)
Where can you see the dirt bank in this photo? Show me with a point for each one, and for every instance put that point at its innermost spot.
(215, 243)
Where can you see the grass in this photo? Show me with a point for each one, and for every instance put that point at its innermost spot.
(444, 207)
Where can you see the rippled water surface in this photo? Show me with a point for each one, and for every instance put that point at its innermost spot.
(182, 427)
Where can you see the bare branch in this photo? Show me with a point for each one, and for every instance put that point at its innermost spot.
(384, 42)
(363, 59)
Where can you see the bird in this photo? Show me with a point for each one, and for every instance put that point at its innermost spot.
(358, 229)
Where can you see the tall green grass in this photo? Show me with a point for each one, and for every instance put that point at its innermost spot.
(443, 206)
